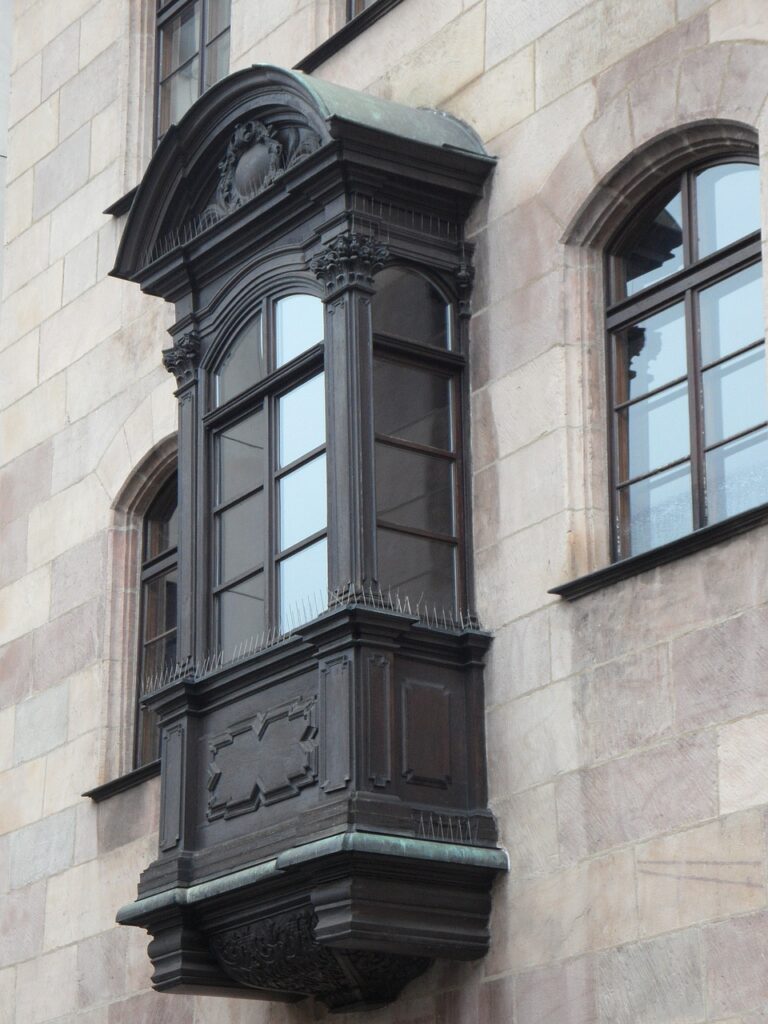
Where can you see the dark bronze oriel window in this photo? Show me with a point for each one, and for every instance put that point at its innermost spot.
(192, 54)
(686, 359)
(157, 634)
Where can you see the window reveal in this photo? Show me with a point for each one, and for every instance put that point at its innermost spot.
(687, 360)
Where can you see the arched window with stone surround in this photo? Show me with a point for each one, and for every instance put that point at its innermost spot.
(668, 250)
(686, 357)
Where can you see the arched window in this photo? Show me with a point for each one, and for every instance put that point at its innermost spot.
(686, 358)
(157, 629)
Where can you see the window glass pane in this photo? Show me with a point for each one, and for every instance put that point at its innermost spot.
(731, 313)
(737, 476)
(656, 247)
(407, 306)
(217, 60)
(302, 419)
(241, 454)
(241, 537)
(160, 605)
(735, 396)
(417, 568)
(303, 585)
(299, 325)
(651, 353)
(159, 656)
(218, 18)
(243, 363)
(148, 736)
(178, 93)
(659, 430)
(412, 403)
(657, 510)
(161, 530)
(302, 503)
(414, 490)
(179, 39)
(241, 614)
(727, 205)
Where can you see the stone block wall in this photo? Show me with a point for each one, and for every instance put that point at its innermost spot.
(627, 731)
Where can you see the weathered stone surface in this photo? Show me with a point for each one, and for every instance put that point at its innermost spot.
(23, 916)
(14, 561)
(18, 369)
(82, 901)
(24, 604)
(531, 740)
(43, 848)
(594, 38)
(652, 982)
(563, 994)
(7, 718)
(26, 256)
(673, 784)
(102, 967)
(587, 907)
(743, 755)
(62, 172)
(25, 482)
(528, 824)
(712, 871)
(8, 995)
(81, 214)
(16, 661)
(86, 695)
(519, 659)
(735, 953)
(624, 705)
(128, 815)
(509, 27)
(68, 643)
(88, 92)
(502, 506)
(738, 19)
(60, 59)
(25, 92)
(71, 769)
(160, 1008)
(499, 99)
(47, 987)
(41, 723)
(100, 26)
(720, 672)
(31, 138)
(67, 519)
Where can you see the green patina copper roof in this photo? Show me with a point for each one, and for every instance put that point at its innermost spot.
(421, 124)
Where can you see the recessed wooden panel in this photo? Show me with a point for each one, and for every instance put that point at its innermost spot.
(336, 735)
(426, 734)
(173, 776)
(379, 733)
(263, 760)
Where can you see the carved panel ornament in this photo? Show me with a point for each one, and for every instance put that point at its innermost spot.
(350, 258)
(281, 953)
(263, 760)
(256, 156)
(181, 360)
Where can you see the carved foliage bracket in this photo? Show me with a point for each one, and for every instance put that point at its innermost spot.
(350, 258)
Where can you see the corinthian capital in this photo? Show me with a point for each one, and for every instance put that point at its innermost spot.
(351, 258)
(181, 359)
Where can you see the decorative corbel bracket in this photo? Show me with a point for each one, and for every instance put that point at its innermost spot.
(465, 275)
(181, 360)
(349, 259)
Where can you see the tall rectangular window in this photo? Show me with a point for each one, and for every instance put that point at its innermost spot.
(192, 54)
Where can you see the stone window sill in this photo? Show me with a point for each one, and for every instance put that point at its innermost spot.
(706, 537)
(123, 782)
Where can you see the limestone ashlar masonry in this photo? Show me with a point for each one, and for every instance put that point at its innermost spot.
(627, 732)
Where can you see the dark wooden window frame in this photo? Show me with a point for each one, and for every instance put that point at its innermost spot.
(152, 568)
(265, 393)
(166, 11)
(681, 286)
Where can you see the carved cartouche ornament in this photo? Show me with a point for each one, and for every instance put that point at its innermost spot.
(181, 360)
(351, 258)
(256, 156)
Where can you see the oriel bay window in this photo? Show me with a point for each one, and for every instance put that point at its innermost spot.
(324, 825)
(687, 359)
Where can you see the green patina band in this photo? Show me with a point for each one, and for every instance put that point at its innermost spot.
(348, 842)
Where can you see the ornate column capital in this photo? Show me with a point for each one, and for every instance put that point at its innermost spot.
(465, 275)
(348, 259)
(181, 360)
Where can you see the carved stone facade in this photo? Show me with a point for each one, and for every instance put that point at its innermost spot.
(626, 731)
